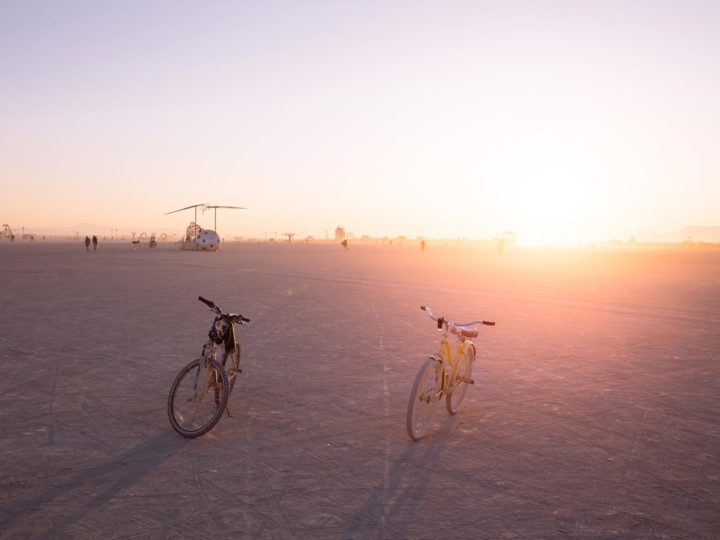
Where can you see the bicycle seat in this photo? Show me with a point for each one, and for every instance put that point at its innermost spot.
(464, 331)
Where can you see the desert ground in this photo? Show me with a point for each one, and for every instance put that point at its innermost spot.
(595, 411)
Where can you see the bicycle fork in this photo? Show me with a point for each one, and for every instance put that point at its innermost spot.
(202, 380)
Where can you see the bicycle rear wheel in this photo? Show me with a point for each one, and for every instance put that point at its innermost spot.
(459, 386)
(423, 399)
(198, 398)
(232, 366)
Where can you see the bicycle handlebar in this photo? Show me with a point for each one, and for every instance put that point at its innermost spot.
(236, 316)
(440, 320)
(208, 303)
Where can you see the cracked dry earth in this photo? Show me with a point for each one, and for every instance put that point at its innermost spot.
(594, 413)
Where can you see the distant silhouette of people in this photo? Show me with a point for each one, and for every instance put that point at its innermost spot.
(94, 242)
(344, 244)
(422, 245)
(501, 245)
(87, 243)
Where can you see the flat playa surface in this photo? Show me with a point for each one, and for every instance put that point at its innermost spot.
(595, 411)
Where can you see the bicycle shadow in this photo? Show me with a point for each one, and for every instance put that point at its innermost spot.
(400, 495)
(91, 488)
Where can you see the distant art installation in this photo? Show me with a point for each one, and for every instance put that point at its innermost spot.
(197, 238)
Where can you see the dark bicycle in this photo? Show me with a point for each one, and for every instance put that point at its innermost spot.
(199, 395)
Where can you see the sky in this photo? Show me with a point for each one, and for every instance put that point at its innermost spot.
(561, 121)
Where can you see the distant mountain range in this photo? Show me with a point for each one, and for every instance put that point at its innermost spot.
(696, 233)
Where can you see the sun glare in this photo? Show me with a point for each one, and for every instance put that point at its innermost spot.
(552, 202)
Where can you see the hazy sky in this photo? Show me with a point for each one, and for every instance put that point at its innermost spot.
(558, 120)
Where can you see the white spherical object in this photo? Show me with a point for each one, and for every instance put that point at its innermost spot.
(207, 241)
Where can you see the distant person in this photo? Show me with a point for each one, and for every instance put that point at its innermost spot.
(422, 245)
(94, 242)
(501, 246)
(344, 244)
(87, 243)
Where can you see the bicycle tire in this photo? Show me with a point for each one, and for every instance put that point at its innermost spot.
(422, 402)
(459, 387)
(182, 410)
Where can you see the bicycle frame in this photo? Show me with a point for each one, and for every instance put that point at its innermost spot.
(446, 356)
(210, 352)
(229, 341)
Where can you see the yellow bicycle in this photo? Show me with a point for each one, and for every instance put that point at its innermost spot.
(443, 374)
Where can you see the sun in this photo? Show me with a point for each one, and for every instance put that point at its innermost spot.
(554, 206)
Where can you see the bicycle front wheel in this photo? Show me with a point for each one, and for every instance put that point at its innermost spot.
(423, 399)
(459, 386)
(198, 398)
